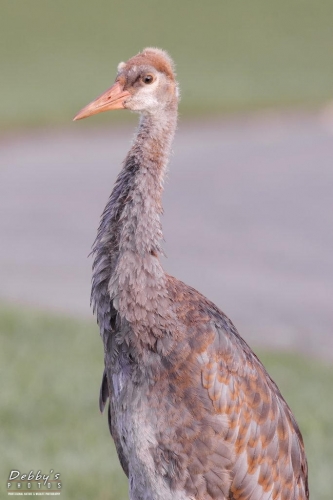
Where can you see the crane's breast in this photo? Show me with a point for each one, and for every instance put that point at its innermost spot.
(138, 427)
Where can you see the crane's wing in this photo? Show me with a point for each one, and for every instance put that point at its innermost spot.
(258, 444)
(266, 441)
(103, 397)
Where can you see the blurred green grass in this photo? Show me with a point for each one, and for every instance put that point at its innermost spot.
(51, 369)
(55, 56)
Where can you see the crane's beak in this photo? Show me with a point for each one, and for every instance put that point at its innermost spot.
(113, 98)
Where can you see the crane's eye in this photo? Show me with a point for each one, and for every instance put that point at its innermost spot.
(148, 79)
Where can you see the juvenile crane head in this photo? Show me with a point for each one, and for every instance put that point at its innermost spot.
(145, 83)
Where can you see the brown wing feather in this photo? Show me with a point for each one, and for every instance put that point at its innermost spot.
(249, 446)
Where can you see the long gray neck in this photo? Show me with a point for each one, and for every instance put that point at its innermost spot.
(127, 248)
(140, 226)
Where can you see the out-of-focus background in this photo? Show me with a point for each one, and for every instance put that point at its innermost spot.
(248, 209)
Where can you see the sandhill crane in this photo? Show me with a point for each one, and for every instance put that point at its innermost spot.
(192, 411)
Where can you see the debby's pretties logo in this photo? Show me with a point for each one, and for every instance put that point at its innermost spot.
(34, 483)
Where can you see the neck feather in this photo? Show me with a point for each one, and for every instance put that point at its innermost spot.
(141, 230)
(126, 265)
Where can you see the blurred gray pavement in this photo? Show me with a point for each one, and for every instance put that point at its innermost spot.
(248, 220)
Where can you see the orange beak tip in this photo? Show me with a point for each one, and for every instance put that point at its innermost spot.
(81, 114)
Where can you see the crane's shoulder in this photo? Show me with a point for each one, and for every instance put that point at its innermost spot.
(200, 315)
